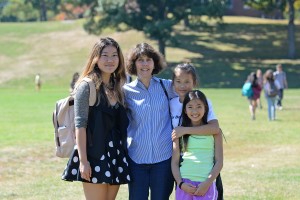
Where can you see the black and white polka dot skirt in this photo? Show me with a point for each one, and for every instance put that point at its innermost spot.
(111, 168)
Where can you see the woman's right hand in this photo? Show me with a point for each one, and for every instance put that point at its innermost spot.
(85, 170)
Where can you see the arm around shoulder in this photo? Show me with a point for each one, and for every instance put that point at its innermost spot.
(212, 128)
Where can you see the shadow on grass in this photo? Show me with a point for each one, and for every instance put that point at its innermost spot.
(232, 51)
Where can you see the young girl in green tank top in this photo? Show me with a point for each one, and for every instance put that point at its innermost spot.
(201, 165)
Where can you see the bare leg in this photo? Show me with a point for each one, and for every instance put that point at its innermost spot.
(258, 102)
(112, 191)
(252, 108)
(100, 191)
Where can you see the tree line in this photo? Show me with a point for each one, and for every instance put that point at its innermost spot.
(156, 18)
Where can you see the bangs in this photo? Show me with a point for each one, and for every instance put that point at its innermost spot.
(145, 52)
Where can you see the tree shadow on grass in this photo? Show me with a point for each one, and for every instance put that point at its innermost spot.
(230, 53)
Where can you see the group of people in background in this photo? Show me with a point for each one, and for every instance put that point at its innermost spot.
(273, 85)
(147, 133)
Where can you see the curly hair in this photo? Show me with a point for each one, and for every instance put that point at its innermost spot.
(144, 49)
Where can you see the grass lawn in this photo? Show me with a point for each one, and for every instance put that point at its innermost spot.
(261, 157)
(223, 56)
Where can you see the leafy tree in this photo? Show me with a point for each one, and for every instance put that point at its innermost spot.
(291, 29)
(43, 6)
(195, 8)
(156, 18)
(2, 5)
(271, 5)
(18, 11)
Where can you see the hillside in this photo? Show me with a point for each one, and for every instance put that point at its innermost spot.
(224, 56)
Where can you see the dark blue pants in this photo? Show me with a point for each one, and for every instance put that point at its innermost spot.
(157, 177)
(219, 185)
(279, 97)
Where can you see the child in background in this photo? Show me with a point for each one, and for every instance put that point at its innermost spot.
(203, 156)
(184, 80)
(38, 82)
(256, 88)
(269, 81)
(260, 81)
(280, 77)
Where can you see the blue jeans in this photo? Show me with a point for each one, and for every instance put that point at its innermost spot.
(271, 107)
(157, 177)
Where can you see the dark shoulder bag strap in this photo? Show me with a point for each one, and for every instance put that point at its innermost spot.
(180, 139)
(166, 93)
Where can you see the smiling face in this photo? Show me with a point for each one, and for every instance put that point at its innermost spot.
(195, 110)
(144, 67)
(108, 61)
(183, 83)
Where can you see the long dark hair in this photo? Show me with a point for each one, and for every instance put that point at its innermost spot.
(252, 78)
(186, 121)
(92, 70)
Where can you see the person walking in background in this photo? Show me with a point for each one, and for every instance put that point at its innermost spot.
(260, 80)
(38, 82)
(256, 94)
(199, 152)
(280, 77)
(73, 81)
(271, 91)
(184, 80)
(99, 160)
(149, 132)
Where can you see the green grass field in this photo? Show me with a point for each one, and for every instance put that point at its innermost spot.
(223, 56)
(261, 158)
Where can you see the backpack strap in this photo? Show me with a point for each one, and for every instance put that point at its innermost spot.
(166, 93)
(56, 125)
(93, 93)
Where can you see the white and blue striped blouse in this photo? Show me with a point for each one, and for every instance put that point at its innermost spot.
(149, 131)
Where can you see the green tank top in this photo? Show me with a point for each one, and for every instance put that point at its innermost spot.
(198, 160)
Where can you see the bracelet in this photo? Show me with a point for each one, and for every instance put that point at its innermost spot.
(180, 184)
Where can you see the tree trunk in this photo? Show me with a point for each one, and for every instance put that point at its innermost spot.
(162, 16)
(291, 30)
(43, 11)
(186, 21)
(162, 45)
